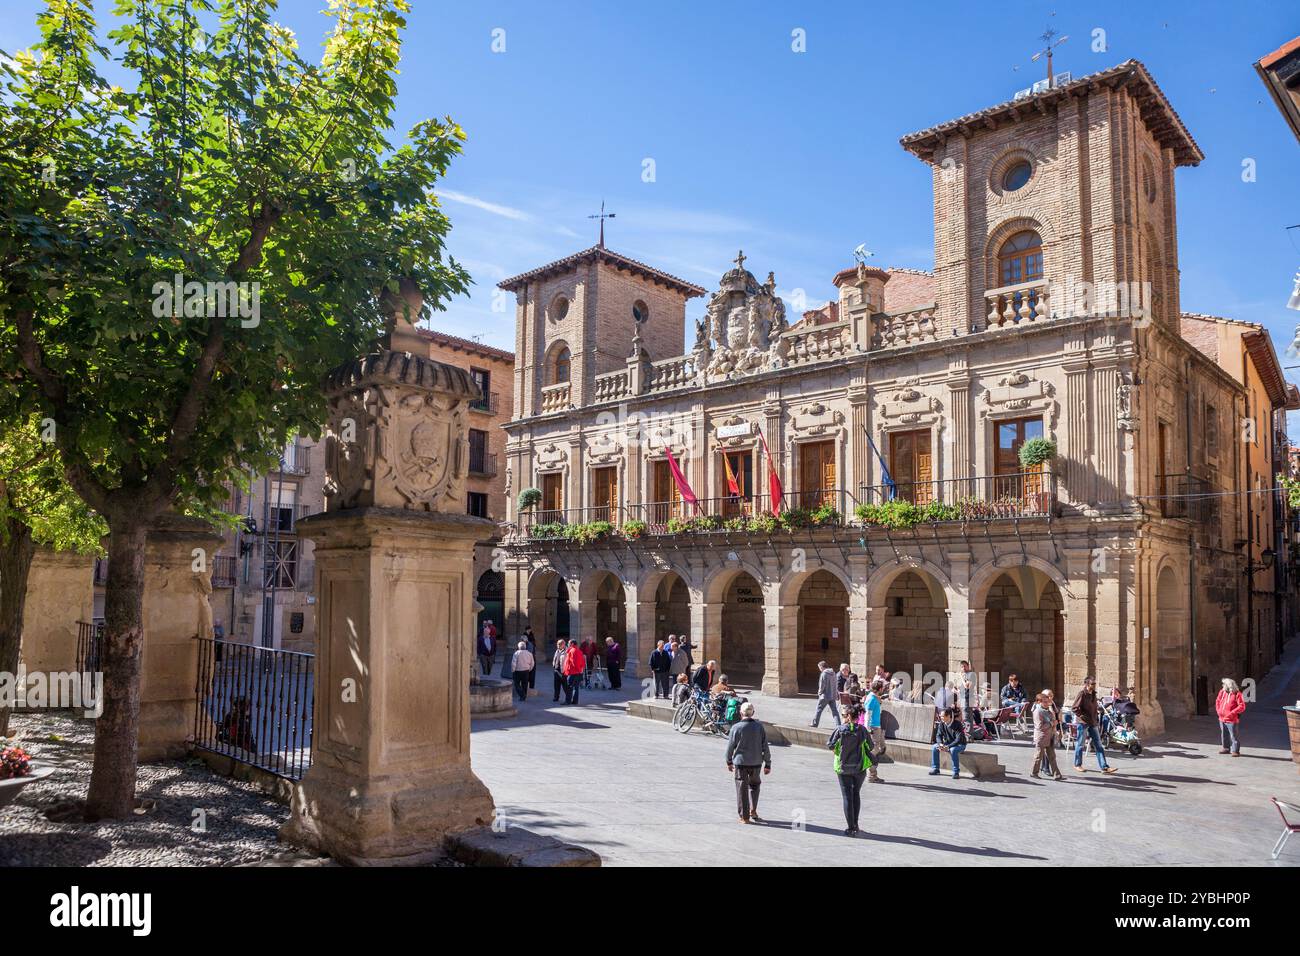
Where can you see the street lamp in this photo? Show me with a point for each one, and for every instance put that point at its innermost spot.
(1266, 558)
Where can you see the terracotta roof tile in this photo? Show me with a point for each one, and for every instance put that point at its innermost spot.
(605, 255)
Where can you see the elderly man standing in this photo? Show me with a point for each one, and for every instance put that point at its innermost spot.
(680, 663)
(747, 750)
(826, 693)
(521, 666)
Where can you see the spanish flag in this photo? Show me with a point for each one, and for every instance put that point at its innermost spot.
(733, 486)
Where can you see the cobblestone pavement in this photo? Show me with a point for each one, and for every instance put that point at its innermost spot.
(639, 794)
(238, 823)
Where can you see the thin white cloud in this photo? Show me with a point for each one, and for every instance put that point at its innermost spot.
(496, 209)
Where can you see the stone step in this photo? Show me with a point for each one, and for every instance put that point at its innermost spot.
(981, 764)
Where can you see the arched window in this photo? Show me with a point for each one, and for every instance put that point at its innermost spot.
(1021, 258)
(560, 366)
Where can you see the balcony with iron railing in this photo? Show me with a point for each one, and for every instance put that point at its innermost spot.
(1185, 495)
(296, 460)
(224, 569)
(489, 402)
(483, 465)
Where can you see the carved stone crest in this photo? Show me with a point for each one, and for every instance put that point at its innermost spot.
(741, 330)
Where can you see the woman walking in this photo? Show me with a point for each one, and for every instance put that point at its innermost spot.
(1044, 715)
(851, 743)
(1230, 705)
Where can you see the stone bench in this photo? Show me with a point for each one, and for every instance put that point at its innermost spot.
(981, 764)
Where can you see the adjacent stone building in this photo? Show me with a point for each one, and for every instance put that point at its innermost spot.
(923, 519)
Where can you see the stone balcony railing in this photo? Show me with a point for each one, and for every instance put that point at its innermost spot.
(613, 385)
(904, 328)
(1013, 304)
(671, 373)
(818, 343)
(555, 398)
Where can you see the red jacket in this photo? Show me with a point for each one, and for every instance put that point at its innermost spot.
(574, 662)
(1229, 707)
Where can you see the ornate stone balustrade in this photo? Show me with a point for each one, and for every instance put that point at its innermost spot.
(818, 343)
(555, 398)
(904, 328)
(613, 385)
(1013, 304)
(672, 373)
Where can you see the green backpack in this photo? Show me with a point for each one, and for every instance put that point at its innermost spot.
(732, 713)
(864, 752)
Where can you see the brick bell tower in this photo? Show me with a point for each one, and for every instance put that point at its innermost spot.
(576, 318)
(1072, 183)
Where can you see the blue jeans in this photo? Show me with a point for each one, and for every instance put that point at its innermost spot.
(822, 705)
(954, 752)
(1228, 734)
(1095, 737)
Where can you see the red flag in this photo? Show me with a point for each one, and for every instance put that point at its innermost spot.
(683, 487)
(773, 482)
(733, 486)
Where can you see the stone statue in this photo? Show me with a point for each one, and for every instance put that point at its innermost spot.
(744, 320)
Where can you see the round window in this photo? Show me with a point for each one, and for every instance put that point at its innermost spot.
(1016, 177)
(559, 308)
(639, 312)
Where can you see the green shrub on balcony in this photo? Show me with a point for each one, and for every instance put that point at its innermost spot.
(825, 515)
(552, 530)
(588, 533)
(763, 524)
(1036, 451)
(529, 498)
(794, 519)
(634, 529)
(892, 514)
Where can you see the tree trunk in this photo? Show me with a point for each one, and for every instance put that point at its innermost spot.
(15, 563)
(112, 779)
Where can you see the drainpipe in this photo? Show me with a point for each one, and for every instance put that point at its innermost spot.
(1192, 545)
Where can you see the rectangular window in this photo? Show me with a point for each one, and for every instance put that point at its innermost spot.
(478, 457)
(477, 504)
(816, 473)
(483, 379)
(604, 494)
(1012, 480)
(667, 498)
(552, 498)
(741, 463)
(281, 499)
(911, 465)
(281, 563)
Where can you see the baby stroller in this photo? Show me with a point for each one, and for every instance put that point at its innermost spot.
(1118, 719)
(1069, 734)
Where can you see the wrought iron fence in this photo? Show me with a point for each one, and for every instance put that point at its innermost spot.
(90, 646)
(255, 705)
(1021, 495)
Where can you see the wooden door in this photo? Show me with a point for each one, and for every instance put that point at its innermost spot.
(910, 465)
(604, 495)
(667, 500)
(552, 498)
(816, 473)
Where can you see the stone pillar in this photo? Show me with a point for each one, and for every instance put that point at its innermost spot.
(640, 630)
(780, 643)
(390, 774)
(60, 592)
(175, 613)
(859, 644)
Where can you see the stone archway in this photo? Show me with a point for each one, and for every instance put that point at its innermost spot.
(672, 607)
(604, 608)
(915, 624)
(740, 647)
(823, 626)
(490, 594)
(1173, 648)
(548, 606)
(1024, 631)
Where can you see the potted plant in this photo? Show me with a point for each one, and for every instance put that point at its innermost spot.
(16, 772)
(1034, 456)
(529, 498)
(634, 529)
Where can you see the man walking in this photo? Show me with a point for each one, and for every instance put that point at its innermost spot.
(531, 639)
(660, 664)
(575, 666)
(852, 746)
(521, 666)
(826, 693)
(871, 704)
(487, 647)
(557, 667)
(614, 662)
(1087, 715)
(747, 750)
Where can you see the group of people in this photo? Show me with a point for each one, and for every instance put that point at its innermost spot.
(670, 663)
(573, 663)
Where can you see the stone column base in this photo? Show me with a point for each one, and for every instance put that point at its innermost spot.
(399, 819)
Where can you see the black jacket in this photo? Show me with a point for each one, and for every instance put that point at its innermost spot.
(660, 661)
(701, 678)
(949, 735)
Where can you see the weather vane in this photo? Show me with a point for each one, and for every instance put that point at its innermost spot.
(602, 216)
(1048, 38)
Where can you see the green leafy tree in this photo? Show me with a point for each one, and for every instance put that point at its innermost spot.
(232, 161)
(37, 507)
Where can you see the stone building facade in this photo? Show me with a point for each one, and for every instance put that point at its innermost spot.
(915, 528)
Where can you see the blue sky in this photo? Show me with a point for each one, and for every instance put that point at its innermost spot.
(795, 156)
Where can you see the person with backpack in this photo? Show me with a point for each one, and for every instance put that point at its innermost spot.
(851, 744)
(661, 663)
(747, 751)
(1230, 704)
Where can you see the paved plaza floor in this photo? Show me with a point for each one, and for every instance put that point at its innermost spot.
(638, 793)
